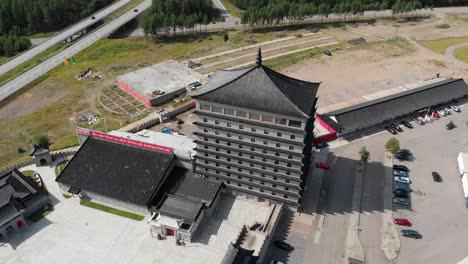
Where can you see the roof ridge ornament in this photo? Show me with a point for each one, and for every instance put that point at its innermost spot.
(259, 57)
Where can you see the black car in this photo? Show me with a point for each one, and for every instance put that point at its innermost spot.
(391, 130)
(407, 124)
(93, 17)
(135, 10)
(400, 193)
(404, 151)
(397, 128)
(402, 186)
(410, 233)
(450, 125)
(327, 52)
(402, 156)
(400, 168)
(321, 145)
(436, 177)
(283, 245)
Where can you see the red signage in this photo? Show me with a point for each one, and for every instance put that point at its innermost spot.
(125, 141)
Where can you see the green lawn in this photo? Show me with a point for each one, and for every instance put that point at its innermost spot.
(441, 45)
(29, 173)
(47, 209)
(462, 54)
(112, 210)
(3, 59)
(40, 35)
(59, 168)
(232, 9)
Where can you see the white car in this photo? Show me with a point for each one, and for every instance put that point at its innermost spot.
(400, 173)
(442, 112)
(455, 108)
(401, 179)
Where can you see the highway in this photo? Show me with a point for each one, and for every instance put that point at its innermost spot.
(24, 79)
(63, 35)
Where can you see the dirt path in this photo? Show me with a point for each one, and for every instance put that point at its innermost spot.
(449, 52)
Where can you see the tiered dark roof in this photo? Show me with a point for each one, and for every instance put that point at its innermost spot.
(263, 89)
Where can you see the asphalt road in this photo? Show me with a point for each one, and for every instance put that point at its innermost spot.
(64, 34)
(24, 79)
(230, 20)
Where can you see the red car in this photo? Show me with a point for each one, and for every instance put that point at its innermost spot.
(401, 221)
(435, 114)
(322, 165)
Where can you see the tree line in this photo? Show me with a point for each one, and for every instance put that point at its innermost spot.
(278, 11)
(167, 16)
(10, 44)
(23, 17)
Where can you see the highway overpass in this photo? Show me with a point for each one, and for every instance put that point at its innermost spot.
(63, 35)
(104, 31)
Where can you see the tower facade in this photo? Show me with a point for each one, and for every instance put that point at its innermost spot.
(255, 132)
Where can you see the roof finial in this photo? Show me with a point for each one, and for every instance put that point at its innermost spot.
(259, 57)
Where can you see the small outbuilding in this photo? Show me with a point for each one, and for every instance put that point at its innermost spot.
(20, 197)
(41, 155)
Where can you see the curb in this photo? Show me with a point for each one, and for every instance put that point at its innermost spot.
(390, 236)
(354, 249)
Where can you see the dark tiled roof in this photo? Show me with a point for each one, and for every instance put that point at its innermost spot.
(7, 212)
(377, 111)
(262, 89)
(179, 207)
(197, 189)
(125, 173)
(14, 185)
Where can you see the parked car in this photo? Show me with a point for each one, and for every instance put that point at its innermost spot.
(402, 156)
(401, 179)
(410, 233)
(402, 201)
(450, 125)
(404, 151)
(435, 114)
(135, 10)
(283, 245)
(447, 109)
(327, 52)
(276, 262)
(93, 17)
(455, 108)
(322, 165)
(400, 168)
(321, 145)
(400, 193)
(436, 176)
(407, 124)
(400, 173)
(397, 128)
(194, 85)
(442, 112)
(391, 130)
(402, 186)
(402, 222)
(419, 120)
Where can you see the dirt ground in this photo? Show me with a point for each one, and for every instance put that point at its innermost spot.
(349, 73)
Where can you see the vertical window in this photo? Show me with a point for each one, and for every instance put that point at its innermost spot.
(280, 121)
(279, 134)
(254, 116)
(205, 107)
(289, 156)
(216, 122)
(228, 111)
(278, 145)
(253, 129)
(291, 148)
(216, 109)
(205, 130)
(241, 113)
(268, 119)
(228, 124)
(216, 132)
(293, 137)
(205, 119)
(241, 127)
(252, 140)
(228, 134)
(294, 123)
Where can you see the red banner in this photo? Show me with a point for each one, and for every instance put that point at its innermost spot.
(125, 141)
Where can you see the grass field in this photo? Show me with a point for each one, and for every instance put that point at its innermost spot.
(462, 54)
(28, 173)
(232, 9)
(59, 168)
(3, 59)
(111, 210)
(441, 45)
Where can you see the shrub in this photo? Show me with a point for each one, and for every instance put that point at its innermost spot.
(365, 155)
(225, 36)
(392, 145)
